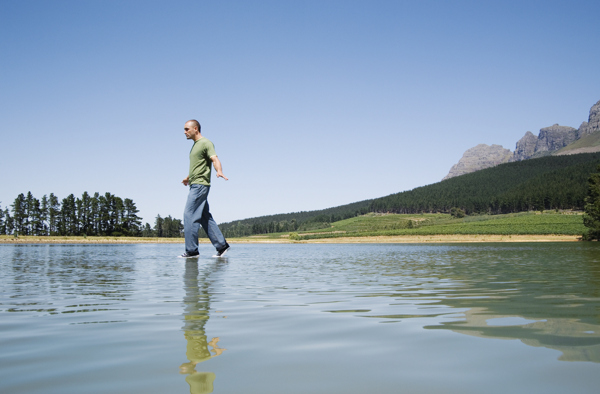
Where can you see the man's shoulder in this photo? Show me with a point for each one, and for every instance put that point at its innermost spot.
(203, 143)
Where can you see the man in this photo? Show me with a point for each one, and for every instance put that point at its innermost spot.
(196, 214)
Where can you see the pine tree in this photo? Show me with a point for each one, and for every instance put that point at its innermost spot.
(2, 222)
(79, 215)
(85, 214)
(591, 218)
(29, 213)
(53, 214)
(117, 212)
(69, 225)
(36, 222)
(104, 215)
(19, 214)
(166, 226)
(44, 215)
(95, 214)
(131, 221)
(158, 226)
(147, 231)
(177, 228)
(73, 222)
(8, 222)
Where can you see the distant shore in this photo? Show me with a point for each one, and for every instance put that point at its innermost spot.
(447, 238)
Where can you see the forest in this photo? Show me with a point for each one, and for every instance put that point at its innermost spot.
(547, 183)
(552, 182)
(88, 215)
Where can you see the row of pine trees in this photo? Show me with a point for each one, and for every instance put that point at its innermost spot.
(88, 215)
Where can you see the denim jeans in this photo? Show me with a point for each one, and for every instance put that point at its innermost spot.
(196, 214)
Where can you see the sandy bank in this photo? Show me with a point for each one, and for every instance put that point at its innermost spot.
(4, 239)
(264, 240)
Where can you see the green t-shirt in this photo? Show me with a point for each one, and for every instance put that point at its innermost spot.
(200, 162)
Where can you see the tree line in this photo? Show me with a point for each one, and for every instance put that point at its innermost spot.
(164, 227)
(591, 217)
(89, 215)
(552, 182)
(296, 221)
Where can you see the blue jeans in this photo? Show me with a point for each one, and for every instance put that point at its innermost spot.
(196, 214)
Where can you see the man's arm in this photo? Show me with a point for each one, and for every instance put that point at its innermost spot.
(217, 165)
(186, 181)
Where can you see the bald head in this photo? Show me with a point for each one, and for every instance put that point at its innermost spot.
(194, 122)
(192, 130)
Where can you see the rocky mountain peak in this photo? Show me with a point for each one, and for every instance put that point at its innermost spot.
(480, 157)
(525, 147)
(593, 123)
(554, 138)
(549, 141)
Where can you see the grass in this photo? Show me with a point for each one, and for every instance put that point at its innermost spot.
(371, 227)
(527, 223)
(585, 142)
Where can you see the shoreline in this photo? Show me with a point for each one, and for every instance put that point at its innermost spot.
(445, 238)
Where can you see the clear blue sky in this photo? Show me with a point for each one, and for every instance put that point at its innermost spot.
(310, 104)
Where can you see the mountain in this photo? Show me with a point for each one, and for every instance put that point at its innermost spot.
(525, 147)
(554, 140)
(593, 124)
(481, 156)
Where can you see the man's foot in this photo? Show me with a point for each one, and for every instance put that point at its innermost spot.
(188, 255)
(223, 250)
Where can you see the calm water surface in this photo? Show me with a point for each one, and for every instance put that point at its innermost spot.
(460, 318)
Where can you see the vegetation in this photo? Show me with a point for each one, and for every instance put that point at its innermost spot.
(548, 183)
(371, 225)
(292, 222)
(498, 200)
(89, 215)
(591, 218)
(554, 182)
(584, 142)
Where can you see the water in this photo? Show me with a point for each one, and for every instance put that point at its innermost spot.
(468, 318)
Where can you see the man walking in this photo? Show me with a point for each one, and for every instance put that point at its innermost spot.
(196, 214)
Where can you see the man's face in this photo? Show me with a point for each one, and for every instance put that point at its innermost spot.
(190, 130)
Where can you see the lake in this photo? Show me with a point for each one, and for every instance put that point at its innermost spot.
(301, 318)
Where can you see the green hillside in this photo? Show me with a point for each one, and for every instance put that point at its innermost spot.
(548, 183)
(377, 225)
(553, 182)
(547, 223)
(589, 141)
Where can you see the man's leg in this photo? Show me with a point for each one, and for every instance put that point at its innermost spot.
(192, 216)
(212, 230)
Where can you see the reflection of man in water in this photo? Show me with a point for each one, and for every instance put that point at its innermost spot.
(196, 314)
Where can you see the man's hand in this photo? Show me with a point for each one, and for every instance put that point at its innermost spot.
(217, 165)
(186, 180)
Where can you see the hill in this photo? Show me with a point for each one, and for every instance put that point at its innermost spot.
(377, 225)
(587, 144)
(552, 182)
(305, 220)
